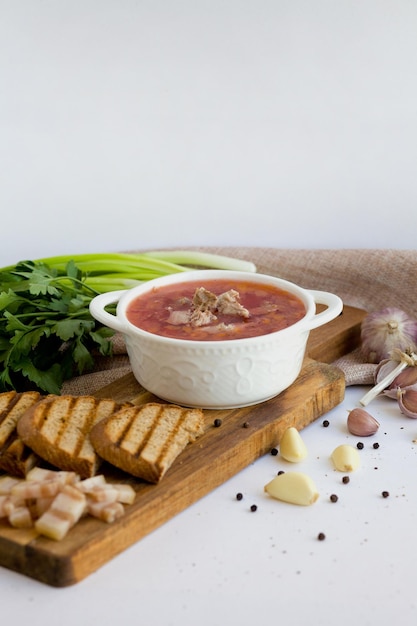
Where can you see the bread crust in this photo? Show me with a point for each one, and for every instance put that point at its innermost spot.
(15, 457)
(145, 440)
(58, 430)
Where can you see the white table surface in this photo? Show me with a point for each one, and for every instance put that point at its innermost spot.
(219, 563)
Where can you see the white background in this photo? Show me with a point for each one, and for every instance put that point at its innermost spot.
(132, 124)
(142, 124)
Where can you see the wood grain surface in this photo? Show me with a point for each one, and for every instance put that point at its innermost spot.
(244, 435)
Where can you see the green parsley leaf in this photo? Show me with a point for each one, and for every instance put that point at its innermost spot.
(47, 333)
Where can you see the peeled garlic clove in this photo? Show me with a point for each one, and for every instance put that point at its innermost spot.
(293, 487)
(361, 423)
(292, 447)
(383, 331)
(407, 401)
(345, 458)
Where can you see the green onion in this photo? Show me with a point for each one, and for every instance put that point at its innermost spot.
(203, 259)
(114, 271)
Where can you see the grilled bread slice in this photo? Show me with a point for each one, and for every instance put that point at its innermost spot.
(145, 440)
(15, 457)
(58, 427)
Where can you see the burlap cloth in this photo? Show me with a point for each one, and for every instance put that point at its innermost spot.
(370, 279)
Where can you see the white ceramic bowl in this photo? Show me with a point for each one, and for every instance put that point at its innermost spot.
(216, 374)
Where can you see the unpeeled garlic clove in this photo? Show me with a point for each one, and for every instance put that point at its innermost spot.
(383, 369)
(392, 392)
(407, 401)
(361, 423)
(406, 378)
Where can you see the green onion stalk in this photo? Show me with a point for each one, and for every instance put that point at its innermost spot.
(110, 272)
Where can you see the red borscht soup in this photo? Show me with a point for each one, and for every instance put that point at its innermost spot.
(219, 310)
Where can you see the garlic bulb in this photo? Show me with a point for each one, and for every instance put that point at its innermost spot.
(383, 331)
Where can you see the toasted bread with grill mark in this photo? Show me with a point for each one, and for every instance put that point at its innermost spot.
(58, 428)
(145, 440)
(15, 457)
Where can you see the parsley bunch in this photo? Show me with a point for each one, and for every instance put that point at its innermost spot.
(47, 333)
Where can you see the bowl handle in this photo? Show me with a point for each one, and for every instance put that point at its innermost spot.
(334, 308)
(97, 309)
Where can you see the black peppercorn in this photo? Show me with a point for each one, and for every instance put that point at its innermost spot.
(385, 494)
(326, 423)
(217, 422)
(333, 498)
(345, 480)
(280, 472)
(274, 451)
(239, 496)
(321, 536)
(376, 445)
(253, 508)
(359, 445)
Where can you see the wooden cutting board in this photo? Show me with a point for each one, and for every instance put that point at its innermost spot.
(244, 435)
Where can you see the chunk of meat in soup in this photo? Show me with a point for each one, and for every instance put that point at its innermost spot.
(204, 307)
(178, 317)
(228, 304)
(202, 318)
